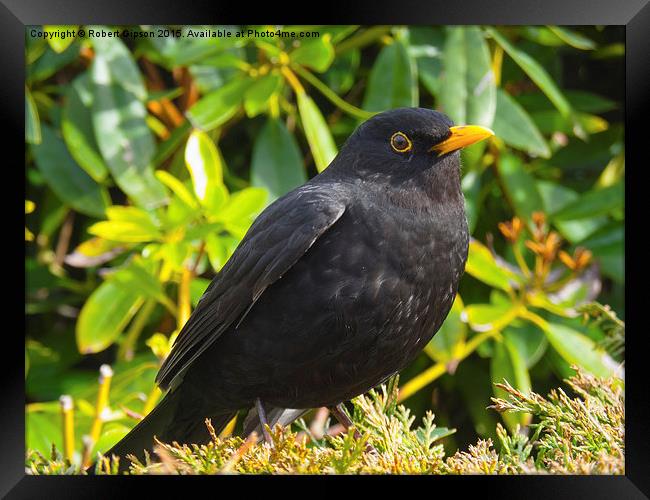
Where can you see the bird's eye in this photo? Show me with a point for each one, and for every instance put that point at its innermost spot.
(400, 143)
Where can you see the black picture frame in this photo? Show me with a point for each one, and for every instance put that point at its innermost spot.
(633, 14)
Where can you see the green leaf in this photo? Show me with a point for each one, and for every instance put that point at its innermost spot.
(467, 91)
(516, 128)
(550, 121)
(220, 247)
(258, 94)
(427, 46)
(117, 67)
(123, 231)
(507, 364)
(179, 216)
(177, 187)
(131, 214)
(529, 341)
(57, 42)
(34, 48)
(104, 316)
(482, 266)
(576, 348)
(393, 80)
(317, 132)
(317, 53)
(573, 38)
(243, 205)
(111, 435)
(487, 317)
(139, 277)
(608, 247)
(215, 72)
(170, 145)
(174, 253)
(580, 100)
(77, 128)
(197, 288)
(32, 120)
(444, 345)
(190, 49)
(519, 186)
(277, 163)
(217, 107)
(588, 102)
(541, 35)
(42, 431)
(471, 185)
(157, 95)
(473, 381)
(50, 62)
(341, 75)
(205, 165)
(118, 115)
(592, 203)
(556, 197)
(126, 224)
(68, 181)
(535, 71)
(578, 154)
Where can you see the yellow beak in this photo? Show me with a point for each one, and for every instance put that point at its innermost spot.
(461, 136)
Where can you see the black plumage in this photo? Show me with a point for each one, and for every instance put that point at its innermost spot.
(336, 286)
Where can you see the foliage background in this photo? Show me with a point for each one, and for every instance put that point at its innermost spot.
(148, 158)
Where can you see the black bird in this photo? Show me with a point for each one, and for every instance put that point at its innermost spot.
(337, 285)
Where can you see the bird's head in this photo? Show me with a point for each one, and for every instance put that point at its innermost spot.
(408, 146)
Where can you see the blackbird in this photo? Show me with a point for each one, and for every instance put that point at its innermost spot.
(337, 285)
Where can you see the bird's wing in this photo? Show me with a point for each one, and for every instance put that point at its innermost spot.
(278, 238)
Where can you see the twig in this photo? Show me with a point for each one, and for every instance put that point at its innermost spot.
(361, 39)
(67, 411)
(127, 348)
(439, 369)
(333, 96)
(105, 377)
(63, 242)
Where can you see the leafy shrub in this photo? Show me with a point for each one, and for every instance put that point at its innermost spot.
(580, 435)
(147, 160)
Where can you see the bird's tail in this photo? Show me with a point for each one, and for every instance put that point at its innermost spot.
(162, 423)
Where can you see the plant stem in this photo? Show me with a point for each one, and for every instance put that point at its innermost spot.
(497, 62)
(184, 305)
(105, 377)
(439, 369)
(274, 106)
(361, 39)
(67, 412)
(520, 259)
(126, 349)
(293, 80)
(151, 401)
(534, 318)
(199, 255)
(64, 241)
(332, 96)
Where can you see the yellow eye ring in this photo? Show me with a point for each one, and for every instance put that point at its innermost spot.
(400, 142)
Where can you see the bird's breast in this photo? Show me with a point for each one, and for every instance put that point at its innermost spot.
(396, 272)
